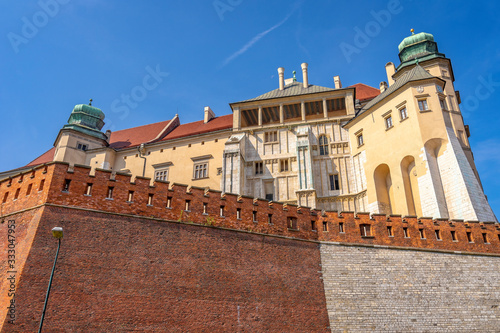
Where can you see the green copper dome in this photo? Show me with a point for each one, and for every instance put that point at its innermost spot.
(415, 38)
(86, 119)
(418, 47)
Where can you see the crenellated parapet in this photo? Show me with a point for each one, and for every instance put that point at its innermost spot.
(117, 193)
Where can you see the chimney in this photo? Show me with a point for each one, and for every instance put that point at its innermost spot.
(383, 86)
(390, 69)
(305, 81)
(281, 72)
(209, 114)
(338, 84)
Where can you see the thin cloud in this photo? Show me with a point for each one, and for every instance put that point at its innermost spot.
(254, 40)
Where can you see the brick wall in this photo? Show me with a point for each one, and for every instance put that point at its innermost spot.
(119, 274)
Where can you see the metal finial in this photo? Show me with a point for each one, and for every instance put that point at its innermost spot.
(90, 102)
(412, 31)
(294, 78)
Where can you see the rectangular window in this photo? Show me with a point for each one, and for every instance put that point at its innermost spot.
(271, 137)
(485, 238)
(67, 182)
(161, 174)
(388, 122)
(284, 165)
(334, 182)
(259, 168)
(341, 227)
(254, 216)
(5, 196)
(150, 199)
(28, 191)
(365, 230)
(42, 183)
(313, 225)
(130, 196)
(270, 218)
(81, 146)
(403, 113)
(110, 192)
(389, 231)
(438, 234)
(325, 226)
(469, 237)
(221, 211)
(442, 101)
(88, 190)
(453, 235)
(238, 213)
(187, 205)
(205, 206)
(422, 105)
(169, 202)
(405, 232)
(16, 195)
(200, 170)
(292, 223)
(422, 233)
(359, 138)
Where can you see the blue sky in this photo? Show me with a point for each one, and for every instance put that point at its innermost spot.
(58, 53)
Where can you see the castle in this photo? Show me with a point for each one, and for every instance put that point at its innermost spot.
(308, 209)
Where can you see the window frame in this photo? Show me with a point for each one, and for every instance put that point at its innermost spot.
(423, 101)
(388, 122)
(271, 137)
(163, 174)
(323, 145)
(334, 181)
(198, 168)
(360, 140)
(401, 109)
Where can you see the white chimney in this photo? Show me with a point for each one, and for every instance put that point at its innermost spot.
(336, 80)
(390, 69)
(209, 114)
(281, 72)
(383, 86)
(305, 80)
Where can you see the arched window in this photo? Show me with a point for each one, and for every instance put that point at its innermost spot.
(323, 145)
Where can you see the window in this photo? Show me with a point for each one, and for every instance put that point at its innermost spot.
(88, 190)
(334, 182)
(17, 194)
(161, 174)
(365, 230)
(205, 206)
(110, 192)
(313, 225)
(238, 213)
(284, 165)
(485, 238)
(201, 170)
(81, 146)
(453, 235)
(270, 218)
(325, 226)
(444, 106)
(254, 216)
(388, 122)
(66, 185)
(169, 202)
(359, 138)
(187, 205)
(269, 196)
(403, 113)
(405, 232)
(271, 137)
(469, 237)
(5, 196)
(221, 211)
(341, 227)
(150, 199)
(130, 197)
(438, 234)
(259, 168)
(323, 145)
(28, 191)
(422, 233)
(389, 231)
(292, 223)
(42, 183)
(422, 105)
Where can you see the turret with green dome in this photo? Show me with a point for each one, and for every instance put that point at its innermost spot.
(417, 47)
(87, 119)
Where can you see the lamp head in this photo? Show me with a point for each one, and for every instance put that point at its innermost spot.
(57, 232)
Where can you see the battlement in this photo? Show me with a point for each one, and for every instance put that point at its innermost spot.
(59, 184)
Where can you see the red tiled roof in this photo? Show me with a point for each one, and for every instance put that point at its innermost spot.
(134, 136)
(364, 92)
(46, 157)
(199, 127)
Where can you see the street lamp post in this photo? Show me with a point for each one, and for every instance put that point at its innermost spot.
(57, 232)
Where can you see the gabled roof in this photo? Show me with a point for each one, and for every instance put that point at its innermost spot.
(292, 89)
(134, 136)
(365, 92)
(46, 157)
(415, 74)
(199, 127)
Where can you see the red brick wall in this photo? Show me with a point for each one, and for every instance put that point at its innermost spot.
(118, 274)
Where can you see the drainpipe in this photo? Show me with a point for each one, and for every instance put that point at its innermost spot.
(140, 149)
